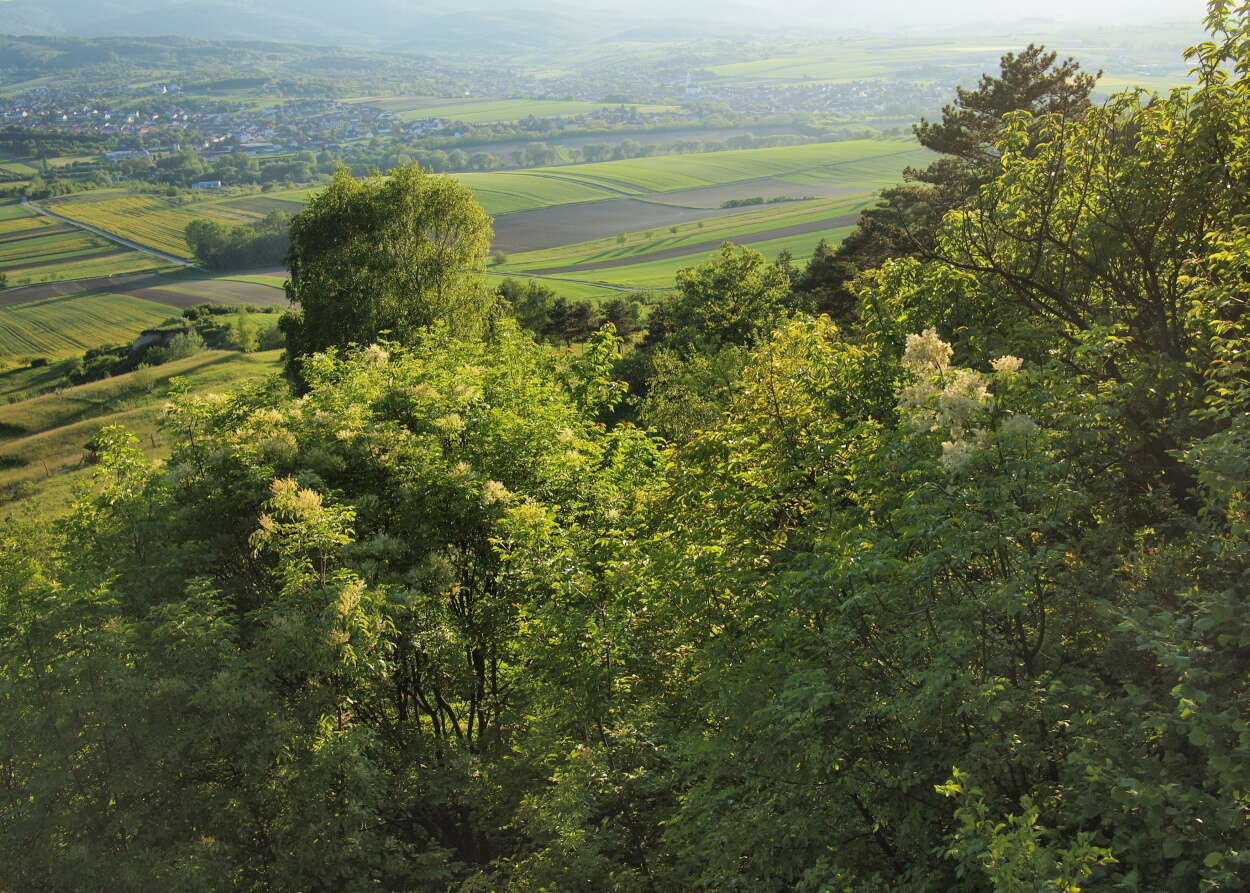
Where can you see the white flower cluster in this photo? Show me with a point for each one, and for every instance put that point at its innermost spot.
(374, 356)
(494, 492)
(1006, 364)
(953, 399)
(927, 354)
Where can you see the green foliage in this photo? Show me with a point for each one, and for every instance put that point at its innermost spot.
(385, 255)
(219, 246)
(179, 347)
(1032, 83)
(342, 618)
(949, 597)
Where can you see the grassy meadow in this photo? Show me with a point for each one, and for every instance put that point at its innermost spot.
(43, 438)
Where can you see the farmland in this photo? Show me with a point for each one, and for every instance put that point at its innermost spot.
(63, 319)
(65, 326)
(660, 274)
(146, 219)
(850, 161)
(638, 244)
(509, 192)
(488, 111)
(40, 249)
(552, 218)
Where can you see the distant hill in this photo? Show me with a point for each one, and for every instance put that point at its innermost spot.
(384, 24)
(517, 25)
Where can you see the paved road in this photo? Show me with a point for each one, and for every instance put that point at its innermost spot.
(112, 237)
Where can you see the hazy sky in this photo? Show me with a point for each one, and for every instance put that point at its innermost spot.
(383, 18)
(886, 13)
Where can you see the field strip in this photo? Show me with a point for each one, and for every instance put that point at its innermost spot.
(180, 261)
(816, 226)
(597, 183)
(608, 285)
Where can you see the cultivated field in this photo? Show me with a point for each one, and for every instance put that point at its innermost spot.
(847, 162)
(147, 219)
(660, 274)
(40, 249)
(181, 291)
(488, 111)
(567, 219)
(507, 192)
(737, 226)
(64, 319)
(65, 326)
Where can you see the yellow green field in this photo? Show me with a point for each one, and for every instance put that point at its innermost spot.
(851, 160)
(147, 219)
(36, 249)
(65, 326)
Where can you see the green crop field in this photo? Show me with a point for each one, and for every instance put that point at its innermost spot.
(57, 246)
(762, 219)
(40, 249)
(13, 211)
(112, 263)
(661, 274)
(64, 326)
(508, 192)
(669, 173)
(275, 280)
(19, 219)
(17, 167)
(488, 111)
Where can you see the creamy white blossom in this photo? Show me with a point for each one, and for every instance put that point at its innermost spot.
(962, 400)
(957, 453)
(1006, 364)
(915, 404)
(374, 356)
(493, 492)
(926, 353)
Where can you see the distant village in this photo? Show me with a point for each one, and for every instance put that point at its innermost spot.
(162, 118)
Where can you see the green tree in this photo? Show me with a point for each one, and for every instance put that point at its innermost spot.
(385, 255)
(531, 302)
(906, 221)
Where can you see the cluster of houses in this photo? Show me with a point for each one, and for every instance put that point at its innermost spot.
(296, 125)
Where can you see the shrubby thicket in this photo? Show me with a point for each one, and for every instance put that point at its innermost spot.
(946, 594)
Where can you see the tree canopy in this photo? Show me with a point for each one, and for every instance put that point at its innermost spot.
(949, 594)
(385, 254)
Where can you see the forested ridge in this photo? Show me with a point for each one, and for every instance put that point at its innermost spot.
(924, 567)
